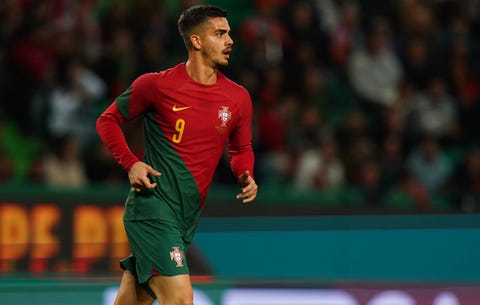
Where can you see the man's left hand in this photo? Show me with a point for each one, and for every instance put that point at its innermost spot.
(248, 186)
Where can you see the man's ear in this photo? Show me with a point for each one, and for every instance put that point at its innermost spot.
(195, 41)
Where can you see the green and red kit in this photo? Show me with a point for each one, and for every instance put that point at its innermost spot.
(186, 128)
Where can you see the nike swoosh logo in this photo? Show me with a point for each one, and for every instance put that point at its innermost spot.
(175, 108)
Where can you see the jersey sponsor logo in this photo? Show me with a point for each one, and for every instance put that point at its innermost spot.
(175, 108)
(177, 256)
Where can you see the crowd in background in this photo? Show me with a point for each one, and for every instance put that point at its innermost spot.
(382, 97)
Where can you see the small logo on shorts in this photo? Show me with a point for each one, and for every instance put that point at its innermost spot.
(177, 256)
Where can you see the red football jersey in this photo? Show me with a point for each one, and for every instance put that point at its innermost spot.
(187, 125)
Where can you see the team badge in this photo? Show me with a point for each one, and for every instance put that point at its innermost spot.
(177, 256)
(224, 115)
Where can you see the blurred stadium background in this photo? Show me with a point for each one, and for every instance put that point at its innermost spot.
(366, 138)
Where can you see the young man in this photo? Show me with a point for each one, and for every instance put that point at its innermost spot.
(191, 112)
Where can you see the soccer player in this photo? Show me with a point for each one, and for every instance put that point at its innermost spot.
(190, 111)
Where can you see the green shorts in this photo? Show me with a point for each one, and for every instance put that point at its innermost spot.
(157, 249)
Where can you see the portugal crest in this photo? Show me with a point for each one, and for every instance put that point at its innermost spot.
(224, 115)
(177, 256)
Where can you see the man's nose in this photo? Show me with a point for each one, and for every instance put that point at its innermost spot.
(229, 41)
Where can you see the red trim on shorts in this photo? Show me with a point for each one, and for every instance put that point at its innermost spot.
(155, 271)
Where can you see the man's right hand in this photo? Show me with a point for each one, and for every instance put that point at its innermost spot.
(138, 176)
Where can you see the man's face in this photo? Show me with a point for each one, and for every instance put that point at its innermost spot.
(216, 42)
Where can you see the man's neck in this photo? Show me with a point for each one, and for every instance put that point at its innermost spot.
(201, 73)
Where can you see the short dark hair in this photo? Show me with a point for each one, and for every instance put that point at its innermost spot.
(194, 16)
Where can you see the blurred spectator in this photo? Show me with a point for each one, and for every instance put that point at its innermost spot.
(266, 36)
(312, 127)
(434, 113)
(462, 71)
(151, 55)
(303, 25)
(250, 80)
(64, 166)
(328, 12)
(386, 9)
(275, 126)
(320, 168)
(117, 64)
(429, 164)
(315, 88)
(393, 120)
(416, 19)
(359, 152)
(404, 101)
(79, 19)
(298, 63)
(154, 36)
(71, 101)
(327, 92)
(355, 126)
(272, 86)
(345, 36)
(420, 65)
(374, 70)
(271, 130)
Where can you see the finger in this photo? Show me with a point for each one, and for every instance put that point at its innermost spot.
(245, 196)
(248, 194)
(251, 185)
(154, 172)
(249, 198)
(145, 182)
(142, 187)
(250, 191)
(136, 187)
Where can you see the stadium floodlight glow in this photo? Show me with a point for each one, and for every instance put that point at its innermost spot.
(392, 297)
(446, 298)
(276, 296)
(199, 297)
